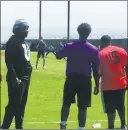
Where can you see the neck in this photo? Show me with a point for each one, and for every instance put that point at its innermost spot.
(104, 47)
(83, 39)
(20, 37)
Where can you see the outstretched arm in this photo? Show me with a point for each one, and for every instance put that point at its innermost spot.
(95, 67)
(62, 52)
(96, 75)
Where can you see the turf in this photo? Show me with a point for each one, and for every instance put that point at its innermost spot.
(45, 98)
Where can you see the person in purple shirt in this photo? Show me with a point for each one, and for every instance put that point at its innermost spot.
(82, 57)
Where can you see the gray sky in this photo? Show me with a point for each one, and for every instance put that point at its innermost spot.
(103, 16)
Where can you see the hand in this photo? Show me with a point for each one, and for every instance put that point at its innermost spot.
(18, 80)
(96, 90)
(15, 83)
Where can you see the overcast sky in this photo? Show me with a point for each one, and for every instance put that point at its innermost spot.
(103, 16)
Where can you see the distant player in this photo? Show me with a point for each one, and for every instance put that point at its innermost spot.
(41, 46)
(81, 57)
(51, 49)
(113, 61)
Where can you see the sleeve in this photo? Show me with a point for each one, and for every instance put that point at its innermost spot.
(62, 52)
(101, 64)
(95, 67)
(95, 59)
(9, 60)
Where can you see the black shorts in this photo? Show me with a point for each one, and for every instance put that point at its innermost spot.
(40, 53)
(80, 85)
(113, 100)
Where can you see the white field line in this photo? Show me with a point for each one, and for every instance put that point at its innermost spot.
(57, 122)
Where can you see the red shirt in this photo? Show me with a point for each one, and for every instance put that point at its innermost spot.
(112, 68)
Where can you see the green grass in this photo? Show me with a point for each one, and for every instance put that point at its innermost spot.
(45, 97)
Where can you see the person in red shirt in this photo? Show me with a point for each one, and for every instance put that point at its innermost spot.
(113, 61)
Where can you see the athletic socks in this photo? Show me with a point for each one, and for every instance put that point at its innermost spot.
(63, 123)
(82, 118)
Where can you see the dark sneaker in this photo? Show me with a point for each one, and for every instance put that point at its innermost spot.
(111, 127)
(62, 127)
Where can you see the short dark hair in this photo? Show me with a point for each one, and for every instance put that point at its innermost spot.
(106, 39)
(84, 29)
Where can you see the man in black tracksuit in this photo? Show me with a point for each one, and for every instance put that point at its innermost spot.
(19, 69)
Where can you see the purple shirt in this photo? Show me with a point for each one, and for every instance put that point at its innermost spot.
(81, 57)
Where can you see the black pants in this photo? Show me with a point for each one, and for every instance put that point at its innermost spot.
(16, 104)
(39, 54)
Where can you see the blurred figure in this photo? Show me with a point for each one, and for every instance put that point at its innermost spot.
(41, 46)
(19, 69)
(82, 57)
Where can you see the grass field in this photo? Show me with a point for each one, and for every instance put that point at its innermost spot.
(45, 98)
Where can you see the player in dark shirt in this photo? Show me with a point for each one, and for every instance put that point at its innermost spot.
(41, 51)
(19, 69)
(82, 57)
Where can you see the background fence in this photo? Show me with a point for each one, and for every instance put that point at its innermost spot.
(122, 42)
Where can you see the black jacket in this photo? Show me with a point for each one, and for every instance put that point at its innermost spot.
(17, 59)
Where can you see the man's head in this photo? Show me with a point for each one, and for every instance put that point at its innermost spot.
(84, 30)
(105, 41)
(20, 28)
